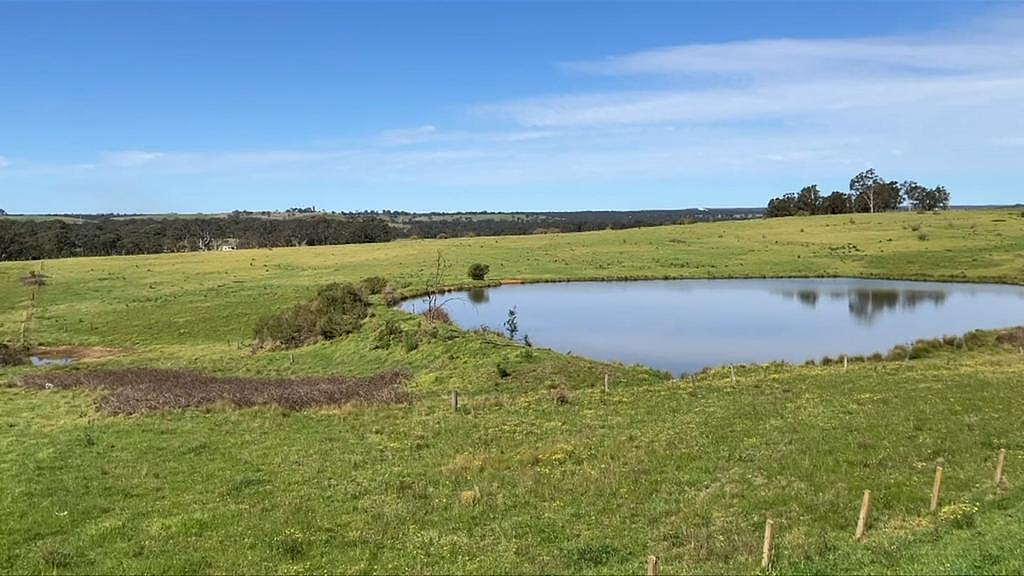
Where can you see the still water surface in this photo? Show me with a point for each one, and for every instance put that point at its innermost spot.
(685, 325)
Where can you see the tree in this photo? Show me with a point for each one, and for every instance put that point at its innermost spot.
(922, 198)
(782, 206)
(808, 201)
(914, 193)
(837, 203)
(3, 212)
(862, 186)
(873, 194)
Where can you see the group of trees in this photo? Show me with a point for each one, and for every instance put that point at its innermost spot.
(868, 193)
(23, 239)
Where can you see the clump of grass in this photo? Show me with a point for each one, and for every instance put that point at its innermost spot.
(594, 555)
(562, 396)
(470, 497)
(410, 341)
(922, 236)
(290, 545)
(56, 558)
(503, 370)
(137, 390)
(897, 353)
(335, 311)
(962, 515)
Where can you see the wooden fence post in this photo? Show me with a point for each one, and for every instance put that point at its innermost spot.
(606, 382)
(455, 400)
(936, 486)
(999, 466)
(652, 566)
(733, 370)
(769, 538)
(862, 519)
(846, 360)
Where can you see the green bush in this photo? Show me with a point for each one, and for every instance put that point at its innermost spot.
(372, 285)
(479, 271)
(340, 310)
(388, 333)
(335, 311)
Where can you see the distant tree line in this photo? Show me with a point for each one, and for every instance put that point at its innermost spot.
(436, 225)
(122, 234)
(25, 239)
(868, 193)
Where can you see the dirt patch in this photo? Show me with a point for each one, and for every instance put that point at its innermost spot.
(136, 390)
(76, 353)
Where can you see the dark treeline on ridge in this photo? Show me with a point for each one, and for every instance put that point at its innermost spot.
(33, 239)
(67, 235)
(868, 193)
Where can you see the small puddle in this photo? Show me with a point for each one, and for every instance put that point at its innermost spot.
(50, 360)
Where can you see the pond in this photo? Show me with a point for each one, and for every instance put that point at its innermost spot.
(685, 325)
(50, 360)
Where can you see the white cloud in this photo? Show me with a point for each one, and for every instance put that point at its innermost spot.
(406, 136)
(130, 158)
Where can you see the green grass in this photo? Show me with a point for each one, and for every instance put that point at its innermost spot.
(685, 469)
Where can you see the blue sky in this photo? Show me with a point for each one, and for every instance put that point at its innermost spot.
(198, 107)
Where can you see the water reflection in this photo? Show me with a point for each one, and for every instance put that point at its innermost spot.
(478, 295)
(867, 303)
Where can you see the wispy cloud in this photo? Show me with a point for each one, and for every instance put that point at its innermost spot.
(4, 162)
(406, 136)
(979, 68)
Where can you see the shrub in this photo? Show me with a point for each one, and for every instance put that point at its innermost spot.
(372, 285)
(391, 295)
(437, 314)
(335, 311)
(11, 355)
(922, 236)
(478, 271)
(340, 310)
(388, 333)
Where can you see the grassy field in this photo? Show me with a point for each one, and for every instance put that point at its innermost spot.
(516, 481)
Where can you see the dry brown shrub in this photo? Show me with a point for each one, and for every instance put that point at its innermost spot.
(1013, 336)
(136, 390)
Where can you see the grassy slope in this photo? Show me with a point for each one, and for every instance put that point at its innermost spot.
(684, 469)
